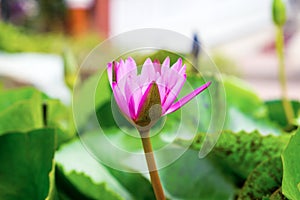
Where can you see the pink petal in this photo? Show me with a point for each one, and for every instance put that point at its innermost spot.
(161, 87)
(148, 71)
(165, 66)
(125, 69)
(121, 101)
(133, 93)
(182, 71)
(177, 66)
(156, 65)
(173, 93)
(130, 66)
(187, 98)
(109, 72)
(120, 70)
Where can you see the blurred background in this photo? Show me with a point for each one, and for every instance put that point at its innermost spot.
(42, 42)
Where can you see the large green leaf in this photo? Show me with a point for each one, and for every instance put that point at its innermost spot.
(78, 170)
(60, 117)
(263, 181)
(9, 97)
(191, 178)
(291, 168)
(26, 161)
(242, 152)
(21, 110)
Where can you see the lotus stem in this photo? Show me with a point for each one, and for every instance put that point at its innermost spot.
(155, 180)
(282, 75)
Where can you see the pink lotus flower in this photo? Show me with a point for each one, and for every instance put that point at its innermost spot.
(143, 98)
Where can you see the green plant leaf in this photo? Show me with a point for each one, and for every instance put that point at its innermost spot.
(21, 110)
(135, 183)
(242, 152)
(263, 181)
(192, 178)
(276, 111)
(291, 167)
(60, 117)
(78, 170)
(26, 161)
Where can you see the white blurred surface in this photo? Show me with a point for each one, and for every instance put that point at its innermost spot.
(44, 71)
(215, 21)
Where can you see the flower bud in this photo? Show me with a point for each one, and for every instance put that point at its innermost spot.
(279, 12)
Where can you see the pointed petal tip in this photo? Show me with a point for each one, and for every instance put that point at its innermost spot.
(187, 98)
(148, 60)
(208, 83)
(156, 61)
(130, 58)
(166, 62)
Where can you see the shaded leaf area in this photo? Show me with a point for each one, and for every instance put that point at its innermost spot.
(85, 189)
(135, 183)
(191, 178)
(79, 173)
(291, 168)
(20, 110)
(242, 152)
(263, 181)
(26, 161)
(277, 195)
(277, 114)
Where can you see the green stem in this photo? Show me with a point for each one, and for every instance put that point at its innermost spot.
(282, 75)
(155, 180)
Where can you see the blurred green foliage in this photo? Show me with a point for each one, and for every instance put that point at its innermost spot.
(14, 39)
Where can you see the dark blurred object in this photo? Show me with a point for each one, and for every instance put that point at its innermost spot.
(17, 11)
(195, 52)
(35, 15)
(52, 15)
(196, 46)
